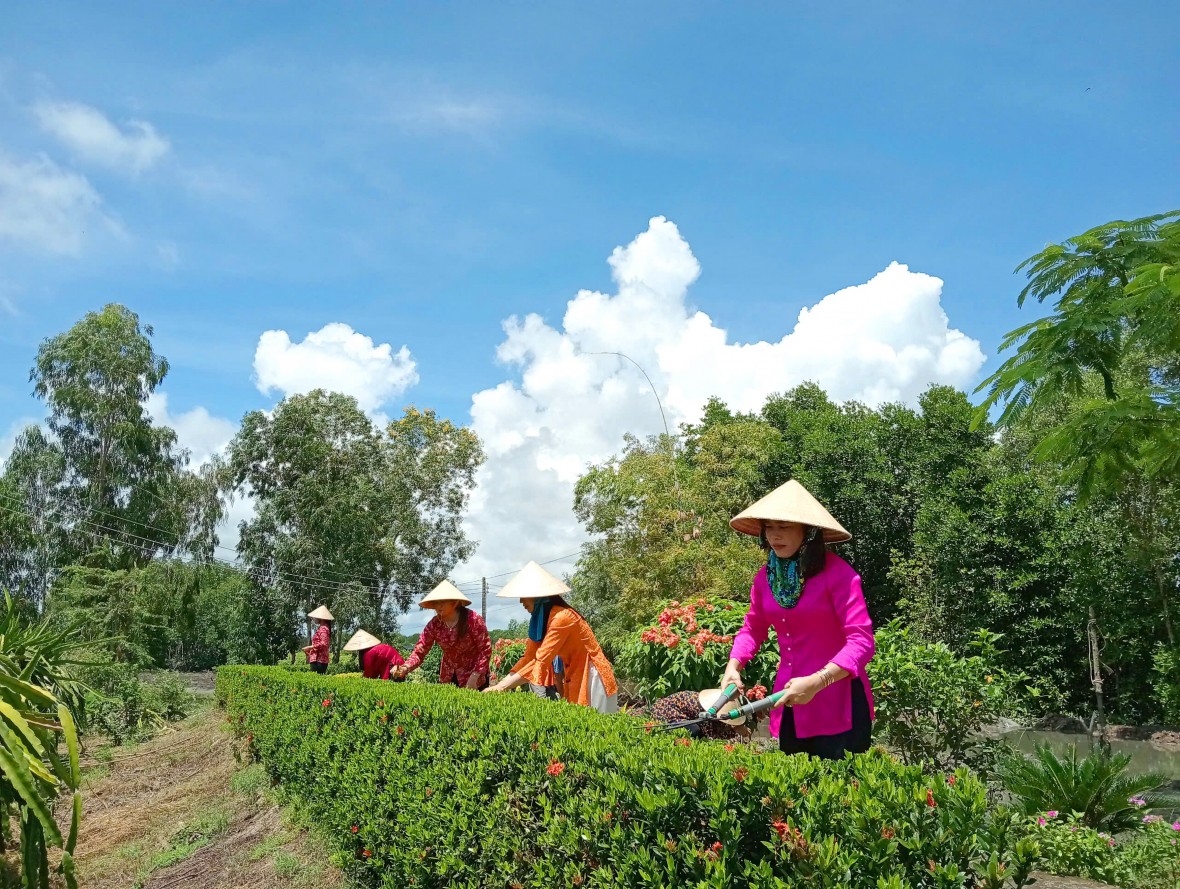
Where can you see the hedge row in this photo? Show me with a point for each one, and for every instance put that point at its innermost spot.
(430, 786)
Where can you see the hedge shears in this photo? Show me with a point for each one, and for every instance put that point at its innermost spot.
(717, 712)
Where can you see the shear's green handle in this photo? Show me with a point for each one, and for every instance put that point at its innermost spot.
(755, 706)
(724, 698)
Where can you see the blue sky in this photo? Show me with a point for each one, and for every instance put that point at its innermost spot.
(422, 172)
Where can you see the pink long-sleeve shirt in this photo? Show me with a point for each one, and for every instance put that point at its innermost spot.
(829, 625)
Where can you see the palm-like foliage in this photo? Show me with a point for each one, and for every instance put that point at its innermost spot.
(36, 694)
(1117, 303)
(1096, 788)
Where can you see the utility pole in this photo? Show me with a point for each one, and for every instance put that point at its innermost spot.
(483, 611)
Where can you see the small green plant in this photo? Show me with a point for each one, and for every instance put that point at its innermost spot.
(1070, 848)
(1151, 860)
(250, 781)
(286, 865)
(1097, 788)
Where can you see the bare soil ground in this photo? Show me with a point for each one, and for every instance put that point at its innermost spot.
(180, 812)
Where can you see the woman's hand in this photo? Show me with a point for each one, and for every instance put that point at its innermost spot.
(732, 675)
(474, 681)
(801, 690)
(492, 688)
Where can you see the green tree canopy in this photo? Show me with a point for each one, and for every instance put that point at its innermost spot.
(101, 477)
(357, 518)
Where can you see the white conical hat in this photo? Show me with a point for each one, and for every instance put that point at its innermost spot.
(360, 641)
(533, 582)
(321, 613)
(709, 695)
(789, 503)
(444, 592)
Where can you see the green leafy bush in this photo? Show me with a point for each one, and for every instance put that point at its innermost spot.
(437, 787)
(1146, 857)
(1165, 682)
(688, 648)
(1096, 787)
(125, 708)
(1070, 848)
(1151, 859)
(932, 703)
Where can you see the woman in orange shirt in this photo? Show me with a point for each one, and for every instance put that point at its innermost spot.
(558, 636)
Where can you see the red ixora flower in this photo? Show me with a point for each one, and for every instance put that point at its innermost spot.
(416, 713)
(555, 768)
(355, 828)
(729, 748)
(368, 853)
(930, 798)
(950, 779)
(400, 730)
(717, 847)
(741, 774)
(684, 742)
(327, 702)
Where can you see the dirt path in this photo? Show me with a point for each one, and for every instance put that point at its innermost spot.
(179, 812)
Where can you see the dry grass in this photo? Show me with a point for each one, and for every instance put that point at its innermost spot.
(180, 811)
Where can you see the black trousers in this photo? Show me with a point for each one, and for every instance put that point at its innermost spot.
(317, 667)
(857, 739)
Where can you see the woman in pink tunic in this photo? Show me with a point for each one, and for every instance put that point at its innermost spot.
(813, 599)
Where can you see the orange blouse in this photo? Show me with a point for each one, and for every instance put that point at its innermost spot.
(570, 638)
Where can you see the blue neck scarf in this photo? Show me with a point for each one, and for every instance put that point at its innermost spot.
(786, 580)
(539, 622)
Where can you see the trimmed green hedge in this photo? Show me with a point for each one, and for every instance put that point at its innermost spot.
(430, 786)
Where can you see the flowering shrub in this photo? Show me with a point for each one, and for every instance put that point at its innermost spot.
(506, 790)
(1151, 859)
(505, 653)
(688, 647)
(1070, 848)
(1145, 858)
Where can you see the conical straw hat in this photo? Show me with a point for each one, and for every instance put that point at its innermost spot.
(708, 696)
(321, 613)
(444, 592)
(533, 582)
(789, 503)
(360, 641)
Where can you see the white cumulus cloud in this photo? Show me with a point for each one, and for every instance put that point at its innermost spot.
(93, 137)
(46, 208)
(198, 431)
(336, 358)
(884, 340)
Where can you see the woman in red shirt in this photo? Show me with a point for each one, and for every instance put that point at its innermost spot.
(377, 659)
(319, 651)
(460, 633)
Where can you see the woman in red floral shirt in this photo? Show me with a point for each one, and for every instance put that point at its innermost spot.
(377, 659)
(319, 651)
(460, 633)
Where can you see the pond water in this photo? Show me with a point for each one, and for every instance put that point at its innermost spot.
(1144, 757)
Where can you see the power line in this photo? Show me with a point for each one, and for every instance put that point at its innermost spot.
(279, 573)
(152, 550)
